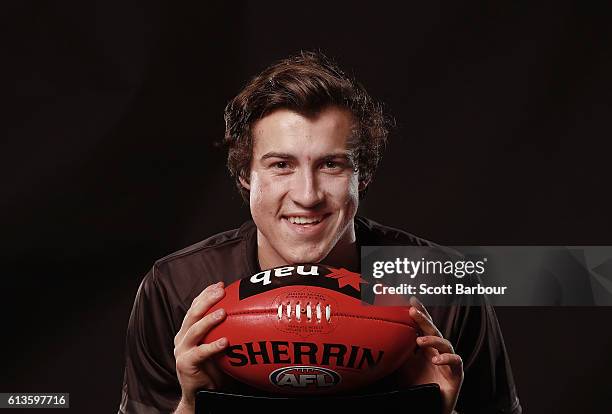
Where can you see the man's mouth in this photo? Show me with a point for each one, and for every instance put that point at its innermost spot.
(304, 220)
(307, 225)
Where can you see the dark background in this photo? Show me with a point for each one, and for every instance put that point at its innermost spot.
(503, 114)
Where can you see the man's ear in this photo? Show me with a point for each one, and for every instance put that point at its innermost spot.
(244, 183)
(363, 184)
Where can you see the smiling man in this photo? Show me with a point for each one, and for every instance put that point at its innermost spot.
(304, 141)
(304, 187)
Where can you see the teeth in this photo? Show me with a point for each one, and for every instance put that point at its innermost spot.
(304, 220)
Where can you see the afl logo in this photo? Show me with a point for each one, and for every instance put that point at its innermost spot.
(304, 376)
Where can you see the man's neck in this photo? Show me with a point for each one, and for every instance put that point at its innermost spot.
(344, 254)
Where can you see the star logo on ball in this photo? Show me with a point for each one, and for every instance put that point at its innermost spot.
(346, 277)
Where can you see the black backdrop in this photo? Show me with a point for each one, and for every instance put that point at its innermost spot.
(108, 162)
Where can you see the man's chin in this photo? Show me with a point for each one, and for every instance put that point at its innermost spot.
(306, 257)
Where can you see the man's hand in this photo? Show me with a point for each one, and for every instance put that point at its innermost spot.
(435, 360)
(194, 367)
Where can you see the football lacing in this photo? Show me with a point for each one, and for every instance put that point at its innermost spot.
(297, 310)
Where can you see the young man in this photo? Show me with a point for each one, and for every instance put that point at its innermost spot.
(304, 142)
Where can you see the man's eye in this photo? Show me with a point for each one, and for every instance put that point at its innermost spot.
(331, 164)
(281, 164)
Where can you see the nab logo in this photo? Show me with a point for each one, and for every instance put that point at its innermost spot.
(264, 277)
(304, 376)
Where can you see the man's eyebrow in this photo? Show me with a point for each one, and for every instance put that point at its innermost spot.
(282, 155)
(344, 154)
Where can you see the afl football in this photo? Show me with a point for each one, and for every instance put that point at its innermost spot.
(303, 329)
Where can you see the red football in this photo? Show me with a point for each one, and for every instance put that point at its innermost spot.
(304, 329)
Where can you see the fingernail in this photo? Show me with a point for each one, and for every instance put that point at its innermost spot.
(217, 292)
(421, 339)
(219, 313)
(222, 342)
(436, 359)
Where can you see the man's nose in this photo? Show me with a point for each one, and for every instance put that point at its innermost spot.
(306, 190)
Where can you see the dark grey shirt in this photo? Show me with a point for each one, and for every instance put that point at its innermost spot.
(150, 382)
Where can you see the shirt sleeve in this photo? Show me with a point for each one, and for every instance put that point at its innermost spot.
(150, 383)
(488, 385)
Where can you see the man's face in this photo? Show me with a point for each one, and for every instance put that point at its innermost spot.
(303, 187)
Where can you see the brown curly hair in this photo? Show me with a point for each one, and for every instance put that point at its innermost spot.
(306, 83)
